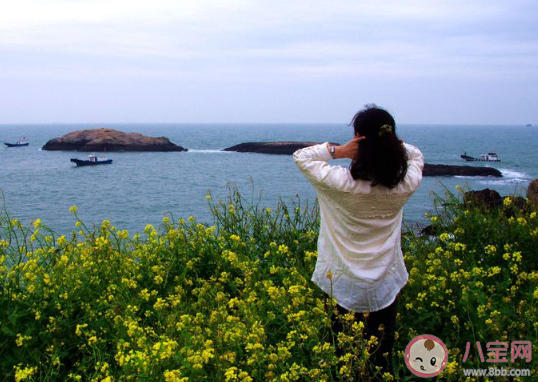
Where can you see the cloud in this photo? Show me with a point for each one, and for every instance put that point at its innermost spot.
(268, 43)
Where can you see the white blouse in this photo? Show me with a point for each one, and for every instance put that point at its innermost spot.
(360, 261)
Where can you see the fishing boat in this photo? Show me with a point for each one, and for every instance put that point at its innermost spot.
(91, 161)
(488, 157)
(20, 143)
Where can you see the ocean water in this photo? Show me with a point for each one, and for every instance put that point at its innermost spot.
(141, 188)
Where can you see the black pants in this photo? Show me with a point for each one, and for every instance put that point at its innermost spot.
(381, 355)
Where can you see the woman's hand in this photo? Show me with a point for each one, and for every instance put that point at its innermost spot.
(349, 150)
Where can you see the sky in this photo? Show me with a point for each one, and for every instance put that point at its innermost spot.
(268, 61)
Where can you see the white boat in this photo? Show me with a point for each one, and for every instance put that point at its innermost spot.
(20, 143)
(92, 161)
(488, 157)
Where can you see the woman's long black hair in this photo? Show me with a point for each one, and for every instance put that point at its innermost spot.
(382, 157)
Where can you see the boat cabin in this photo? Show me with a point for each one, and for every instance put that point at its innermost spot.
(490, 157)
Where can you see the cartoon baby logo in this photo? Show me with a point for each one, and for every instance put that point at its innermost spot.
(426, 356)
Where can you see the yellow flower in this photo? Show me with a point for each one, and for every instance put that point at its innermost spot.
(451, 367)
(444, 236)
(129, 283)
(73, 209)
(459, 247)
(23, 374)
(494, 271)
(507, 201)
(495, 313)
(283, 248)
(535, 294)
(490, 249)
(160, 304)
(174, 376)
(231, 374)
(123, 234)
(229, 255)
(144, 294)
(22, 339)
(61, 240)
(79, 328)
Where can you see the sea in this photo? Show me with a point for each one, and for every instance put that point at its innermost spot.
(142, 188)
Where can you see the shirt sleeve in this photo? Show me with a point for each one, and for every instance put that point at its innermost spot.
(415, 165)
(313, 163)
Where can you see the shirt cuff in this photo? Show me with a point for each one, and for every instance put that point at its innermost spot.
(323, 151)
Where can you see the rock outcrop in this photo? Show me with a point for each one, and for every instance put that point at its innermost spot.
(279, 148)
(288, 148)
(490, 199)
(454, 170)
(484, 198)
(104, 139)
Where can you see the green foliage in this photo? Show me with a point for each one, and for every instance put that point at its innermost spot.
(234, 301)
(475, 280)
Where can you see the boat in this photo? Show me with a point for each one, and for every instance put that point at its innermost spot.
(91, 161)
(489, 157)
(20, 143)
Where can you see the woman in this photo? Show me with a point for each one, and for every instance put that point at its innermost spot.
(360, 261)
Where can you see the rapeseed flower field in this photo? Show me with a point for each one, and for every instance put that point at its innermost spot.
(233, 301)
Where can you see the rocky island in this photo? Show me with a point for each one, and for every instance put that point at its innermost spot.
(279, 148)
(104, 139)
(288, 148)
(454, 170)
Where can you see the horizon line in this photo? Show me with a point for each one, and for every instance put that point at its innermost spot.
(3, 124)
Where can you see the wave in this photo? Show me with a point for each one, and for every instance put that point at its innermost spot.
(505, 182)
(508, 173)
(510, 177)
